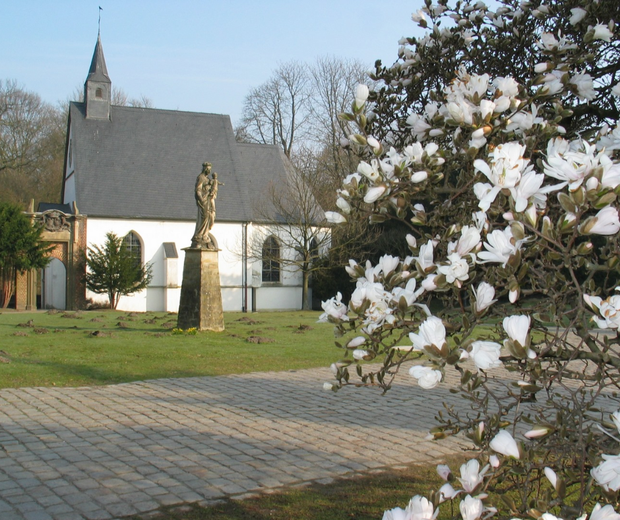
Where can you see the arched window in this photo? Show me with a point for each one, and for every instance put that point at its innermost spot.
(133, 244)
(99, 93)
(271, 260)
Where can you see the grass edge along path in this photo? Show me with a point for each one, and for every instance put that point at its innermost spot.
(358, 496)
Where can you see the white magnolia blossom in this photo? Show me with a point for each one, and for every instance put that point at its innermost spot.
(409, 292)
(517, 328)
(608, 309)
(607, 473)
(571, 163)
(427, 377)
(447, 492)
(606, 512)
(605, 222)
(387, 264)
(500, 246)
(369, 170)
(471, 508)
(376, 300)
(424, 260)
(428, 284)
(431, 332)
(552, 83)
(484, 296)
(577, 14)
(471, 475)
(418, 16)
(602, 32)
(505, 171)
(486, 354)
(523, 121)
(334, 308)
(419, 508)
(505, 444)
(585, 86)
(469, 240)
(549, 42)
(508, 86)
(456, 270)
(610, 175)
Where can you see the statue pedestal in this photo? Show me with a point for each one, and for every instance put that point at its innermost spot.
(201, 294)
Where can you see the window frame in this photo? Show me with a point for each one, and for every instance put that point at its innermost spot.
(271, 271)
(132, 241)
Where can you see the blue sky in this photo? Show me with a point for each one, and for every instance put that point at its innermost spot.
(201, 56)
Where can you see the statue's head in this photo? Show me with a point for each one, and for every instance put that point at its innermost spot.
(206, 167)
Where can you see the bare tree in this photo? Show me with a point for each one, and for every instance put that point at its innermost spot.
(277, 111)
(334, 81)
(298, 109)
(294, 218)
(31, 146)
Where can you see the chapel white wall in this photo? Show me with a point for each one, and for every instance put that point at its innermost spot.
(163, 294)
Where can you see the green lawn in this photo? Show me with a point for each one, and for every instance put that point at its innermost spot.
(105, 347)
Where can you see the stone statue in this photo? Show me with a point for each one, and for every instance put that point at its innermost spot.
(205, 193)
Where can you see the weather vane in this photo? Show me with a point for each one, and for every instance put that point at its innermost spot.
(99, 21)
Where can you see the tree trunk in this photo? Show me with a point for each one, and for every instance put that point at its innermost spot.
(306, 305)
(7, 287)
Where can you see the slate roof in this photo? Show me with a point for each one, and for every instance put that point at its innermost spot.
(143, 163)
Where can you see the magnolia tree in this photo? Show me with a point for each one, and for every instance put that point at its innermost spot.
(508, 181)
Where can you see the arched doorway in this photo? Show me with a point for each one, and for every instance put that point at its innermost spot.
(54, 289)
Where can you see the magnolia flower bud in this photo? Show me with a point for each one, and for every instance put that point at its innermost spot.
(443, 470)
(361, 354)
(411, 241)
(551, 477)
(537, 431)
(505, 444)
(374, 144)
(542, 67)
(361, 95)
(584, 248)
(334, 217)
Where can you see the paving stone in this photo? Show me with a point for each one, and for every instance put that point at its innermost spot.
(106, 452)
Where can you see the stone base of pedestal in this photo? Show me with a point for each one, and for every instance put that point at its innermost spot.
(201, 294)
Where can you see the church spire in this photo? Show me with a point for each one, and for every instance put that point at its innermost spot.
(98, 86)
